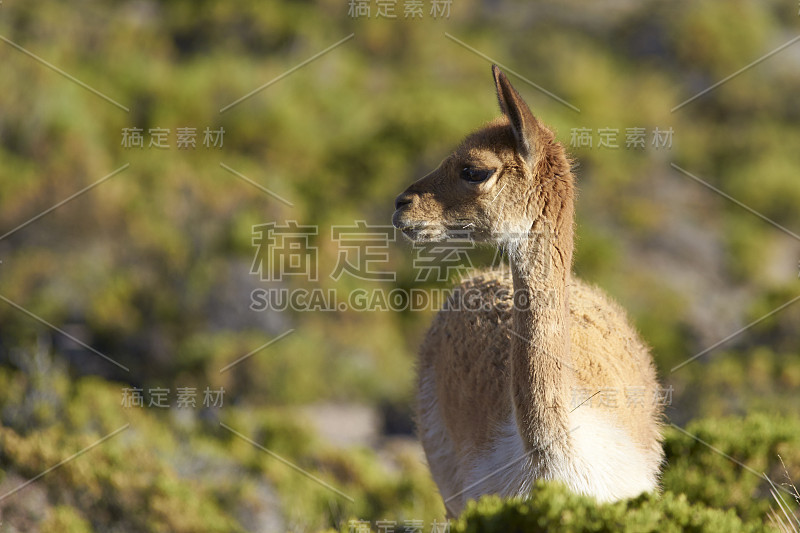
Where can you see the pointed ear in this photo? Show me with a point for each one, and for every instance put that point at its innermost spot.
(523, 123)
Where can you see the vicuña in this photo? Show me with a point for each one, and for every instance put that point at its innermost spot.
(547, 379)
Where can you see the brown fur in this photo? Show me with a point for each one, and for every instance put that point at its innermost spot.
(506, 361)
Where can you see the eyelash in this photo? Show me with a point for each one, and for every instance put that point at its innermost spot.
(476, 175)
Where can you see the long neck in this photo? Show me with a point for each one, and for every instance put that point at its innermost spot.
(541, 361)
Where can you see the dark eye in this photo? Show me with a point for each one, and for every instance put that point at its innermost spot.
(476, 175)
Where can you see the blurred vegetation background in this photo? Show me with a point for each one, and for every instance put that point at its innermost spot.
(152, 267)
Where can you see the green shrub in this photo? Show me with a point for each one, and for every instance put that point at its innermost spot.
(551, 507)
(754, 445)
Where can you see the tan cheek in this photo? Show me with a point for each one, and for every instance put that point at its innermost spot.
(428, 208)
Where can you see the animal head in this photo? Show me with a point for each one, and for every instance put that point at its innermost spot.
(496, 184)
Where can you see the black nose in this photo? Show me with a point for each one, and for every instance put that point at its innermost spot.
(403, 199)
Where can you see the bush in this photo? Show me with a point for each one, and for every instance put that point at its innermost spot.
(757, 443)
(551, 507)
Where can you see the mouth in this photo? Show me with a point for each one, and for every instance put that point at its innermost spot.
(423, 234)
(417, 231)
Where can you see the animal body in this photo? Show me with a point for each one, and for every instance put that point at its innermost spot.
(543, 377)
